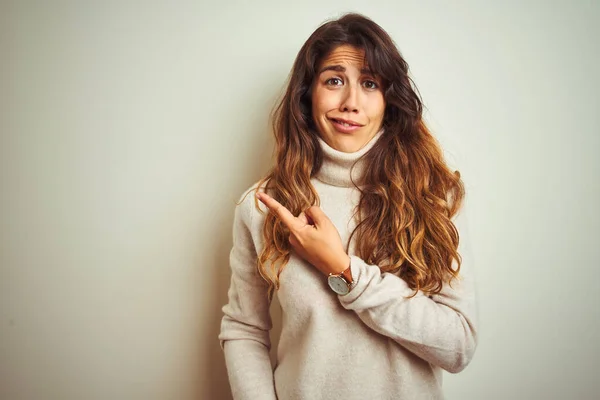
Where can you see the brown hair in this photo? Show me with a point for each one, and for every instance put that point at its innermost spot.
(409, 195)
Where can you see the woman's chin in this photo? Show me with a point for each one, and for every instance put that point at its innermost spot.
(347, 145)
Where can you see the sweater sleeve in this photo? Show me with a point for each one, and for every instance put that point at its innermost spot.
(441, 329)
(245, 326)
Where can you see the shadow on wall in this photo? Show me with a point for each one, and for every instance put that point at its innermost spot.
(216, 383)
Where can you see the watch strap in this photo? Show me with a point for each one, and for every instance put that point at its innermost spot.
(347, 274)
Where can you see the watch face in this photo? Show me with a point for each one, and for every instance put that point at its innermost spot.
(338, 285)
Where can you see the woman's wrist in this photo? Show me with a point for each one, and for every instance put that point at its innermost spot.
(342, 264)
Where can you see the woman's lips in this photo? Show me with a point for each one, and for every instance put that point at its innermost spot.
(344, 127)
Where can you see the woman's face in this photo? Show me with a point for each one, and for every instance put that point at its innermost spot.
(347, 100)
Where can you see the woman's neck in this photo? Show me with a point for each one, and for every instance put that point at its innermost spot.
(337, 168)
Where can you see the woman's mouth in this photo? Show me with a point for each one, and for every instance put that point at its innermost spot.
(344, 126)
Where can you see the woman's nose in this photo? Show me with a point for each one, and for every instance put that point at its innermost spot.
(350, 100)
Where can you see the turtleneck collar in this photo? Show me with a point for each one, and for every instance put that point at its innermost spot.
(337, 164)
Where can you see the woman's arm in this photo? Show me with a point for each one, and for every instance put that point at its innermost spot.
(441, 329)
(245, 326)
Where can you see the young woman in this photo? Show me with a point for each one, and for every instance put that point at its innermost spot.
(356, 228)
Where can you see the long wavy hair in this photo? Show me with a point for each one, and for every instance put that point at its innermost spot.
(409, 194)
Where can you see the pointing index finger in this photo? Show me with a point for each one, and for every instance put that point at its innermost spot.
(283, 213)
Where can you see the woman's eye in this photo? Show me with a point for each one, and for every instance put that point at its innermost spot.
(370, 85)
(333, 81)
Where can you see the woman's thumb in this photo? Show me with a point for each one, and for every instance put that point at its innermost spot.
(302, 217)
(315, 214)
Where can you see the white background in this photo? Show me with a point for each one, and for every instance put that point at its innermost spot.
(128, 130)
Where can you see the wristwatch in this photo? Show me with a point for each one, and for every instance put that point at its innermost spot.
(341, 283)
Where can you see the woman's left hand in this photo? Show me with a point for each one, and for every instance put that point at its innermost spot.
(312, 235)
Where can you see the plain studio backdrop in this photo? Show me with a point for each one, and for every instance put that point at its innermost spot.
(129, 129)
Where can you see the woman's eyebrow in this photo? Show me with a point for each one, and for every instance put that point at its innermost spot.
(340, 68)
(336, 68)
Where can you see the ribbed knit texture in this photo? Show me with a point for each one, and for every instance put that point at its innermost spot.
(373, 343)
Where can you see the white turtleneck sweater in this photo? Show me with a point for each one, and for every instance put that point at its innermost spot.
(373, 343)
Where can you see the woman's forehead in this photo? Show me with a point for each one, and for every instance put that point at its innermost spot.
(345, 55)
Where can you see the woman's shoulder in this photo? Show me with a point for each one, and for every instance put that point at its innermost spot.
(248, 207)
(248, 196)
(256, 186)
